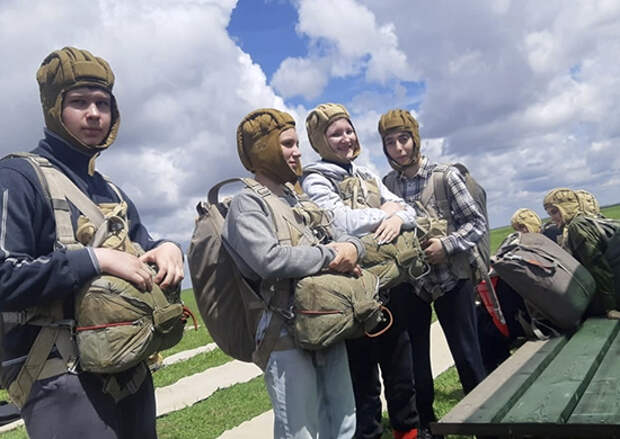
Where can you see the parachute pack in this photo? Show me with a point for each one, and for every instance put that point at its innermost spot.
(116, 326)
(554, 285)
(327, 307)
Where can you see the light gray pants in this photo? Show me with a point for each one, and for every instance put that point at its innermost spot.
(311, 393)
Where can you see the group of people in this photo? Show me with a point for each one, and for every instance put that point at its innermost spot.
(577, 225)
(328, 393)
(573, 225)
(335, 392)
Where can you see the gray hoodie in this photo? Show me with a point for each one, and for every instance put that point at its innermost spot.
(250, 237)
(317, 184)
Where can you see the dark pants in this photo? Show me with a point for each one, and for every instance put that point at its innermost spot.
(457, 316)
(392, 353)
(73, 406)
(495, 347)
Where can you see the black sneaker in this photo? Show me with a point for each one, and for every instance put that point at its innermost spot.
(425, 433)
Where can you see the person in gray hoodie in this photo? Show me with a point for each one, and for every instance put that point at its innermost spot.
(310, 391)
(362, 205)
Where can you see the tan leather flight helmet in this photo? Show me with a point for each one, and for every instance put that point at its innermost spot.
(258, 144)
(318, 121)
(395, 121)
(67, 69)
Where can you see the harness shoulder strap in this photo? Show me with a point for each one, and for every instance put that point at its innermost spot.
(60, 190)
(440, 189)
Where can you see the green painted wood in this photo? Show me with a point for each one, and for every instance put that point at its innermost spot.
(553, 396)
(492, 398)
(600, 403)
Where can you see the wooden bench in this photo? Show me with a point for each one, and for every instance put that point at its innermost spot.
(561, 388)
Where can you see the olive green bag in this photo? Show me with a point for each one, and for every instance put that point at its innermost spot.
(118, 326)
(333, 307)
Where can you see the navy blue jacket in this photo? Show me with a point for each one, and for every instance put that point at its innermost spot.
(32, 272)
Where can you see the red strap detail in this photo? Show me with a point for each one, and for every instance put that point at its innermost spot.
(318, 313)
(411, 434)
(484, 293)
(187, 313)
(103, 326)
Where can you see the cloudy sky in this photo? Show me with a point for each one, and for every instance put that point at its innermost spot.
(526, 93)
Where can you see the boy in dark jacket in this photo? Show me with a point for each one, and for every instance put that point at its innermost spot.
(82, 120)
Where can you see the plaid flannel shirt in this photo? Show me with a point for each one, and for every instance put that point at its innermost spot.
(468, 222)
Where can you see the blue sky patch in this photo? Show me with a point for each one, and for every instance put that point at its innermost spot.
(266, 30)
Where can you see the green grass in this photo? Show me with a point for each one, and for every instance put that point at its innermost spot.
(18, 433)
(199, 363)
(191, 339)
(448, 392)
(612, 211)
(223, 410)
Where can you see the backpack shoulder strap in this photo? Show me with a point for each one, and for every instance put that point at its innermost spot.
(437, 187)
(282, 232)
(61, 190)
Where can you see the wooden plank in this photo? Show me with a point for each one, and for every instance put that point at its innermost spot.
(553, 396)
(493, 397)
(600, 403)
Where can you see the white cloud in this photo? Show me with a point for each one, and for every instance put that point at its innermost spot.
(345, 39)
(300, 77)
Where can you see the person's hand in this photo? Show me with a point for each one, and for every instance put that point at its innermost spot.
(390, 207)
(389, 229)
(434, 251)
(345, 260)
(125, 266)
(169, 261)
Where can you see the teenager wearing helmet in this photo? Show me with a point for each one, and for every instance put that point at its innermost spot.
(586, 241)
(310, 391)
(588, 203)
(362, 205)
(82, 120)
(449, 284)
(526, 221)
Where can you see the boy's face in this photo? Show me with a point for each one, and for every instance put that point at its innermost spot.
(399, 147)
(87, 114)
(556, 215)
(290, 149)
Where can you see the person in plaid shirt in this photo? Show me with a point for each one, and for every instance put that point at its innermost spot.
(449, 284)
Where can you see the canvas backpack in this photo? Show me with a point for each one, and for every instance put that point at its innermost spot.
(327, 307)
(116, 326)
(555, 287)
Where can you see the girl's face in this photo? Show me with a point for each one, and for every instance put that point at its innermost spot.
(342, 139)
